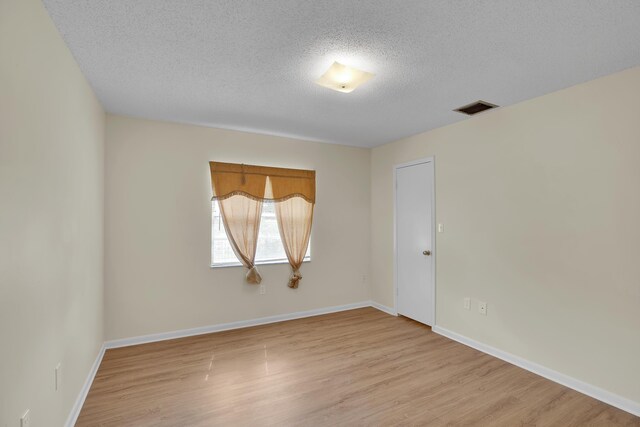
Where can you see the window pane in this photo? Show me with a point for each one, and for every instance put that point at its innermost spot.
(270, 248)
(269, 244)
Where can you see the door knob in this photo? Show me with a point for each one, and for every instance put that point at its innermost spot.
(427, 253)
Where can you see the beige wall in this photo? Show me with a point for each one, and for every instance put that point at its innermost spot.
(158, 228)
(51, 219)
(541, 203)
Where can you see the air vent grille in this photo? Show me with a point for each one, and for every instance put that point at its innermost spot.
(475, 108)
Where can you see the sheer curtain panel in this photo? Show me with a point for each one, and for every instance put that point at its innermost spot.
(294, 217)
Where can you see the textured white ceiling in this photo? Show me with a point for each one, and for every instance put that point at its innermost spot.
(251, 64)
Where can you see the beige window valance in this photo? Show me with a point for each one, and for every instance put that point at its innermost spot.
(229, 179)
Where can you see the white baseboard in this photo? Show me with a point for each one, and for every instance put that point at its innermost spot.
(125, 342)
(588, 389)
(384, 308)
(77, 405)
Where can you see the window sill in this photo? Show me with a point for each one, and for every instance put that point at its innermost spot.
(237, 264)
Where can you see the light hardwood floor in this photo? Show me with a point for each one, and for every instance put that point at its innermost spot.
(358, 367)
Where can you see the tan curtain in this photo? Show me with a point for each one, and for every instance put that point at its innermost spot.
(294, 193)
(240, 196)
(232, 178)
(295, 216)
(228, 179)
(241, 219)
(240, 189)
(287, 183)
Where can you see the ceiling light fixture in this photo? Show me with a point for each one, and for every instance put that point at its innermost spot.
(342, 78)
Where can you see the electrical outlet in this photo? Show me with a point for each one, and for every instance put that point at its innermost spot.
(263, 289)
(482, 308)
(25, 420)
(467, 303)
(58, 377)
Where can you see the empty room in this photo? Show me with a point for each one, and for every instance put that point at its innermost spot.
(319, 213)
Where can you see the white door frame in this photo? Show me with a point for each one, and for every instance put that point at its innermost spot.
(434, 253)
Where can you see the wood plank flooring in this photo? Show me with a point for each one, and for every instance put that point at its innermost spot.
(358, 367)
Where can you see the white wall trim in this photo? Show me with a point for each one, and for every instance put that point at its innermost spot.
(125, 342)
(77, 405)
(388, 310)
(567, 381)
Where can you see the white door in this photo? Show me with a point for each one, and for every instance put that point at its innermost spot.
(414, 242)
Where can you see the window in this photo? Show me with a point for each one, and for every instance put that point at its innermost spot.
(269, 249)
